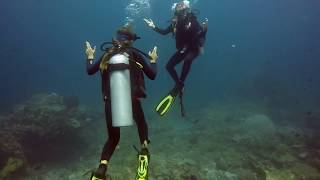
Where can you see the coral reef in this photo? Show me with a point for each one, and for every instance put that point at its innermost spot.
(232, 141)
(12, 165)
(38, 130)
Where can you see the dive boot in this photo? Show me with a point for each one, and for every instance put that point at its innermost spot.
(143, 163)
(100, 173)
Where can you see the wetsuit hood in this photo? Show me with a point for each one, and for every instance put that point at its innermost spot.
(126, 34)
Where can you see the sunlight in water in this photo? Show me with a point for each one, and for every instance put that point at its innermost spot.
(136, 9)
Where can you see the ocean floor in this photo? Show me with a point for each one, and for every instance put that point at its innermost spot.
(223, 141)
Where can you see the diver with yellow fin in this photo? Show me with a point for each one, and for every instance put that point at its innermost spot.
(122, 68)
(190, 38)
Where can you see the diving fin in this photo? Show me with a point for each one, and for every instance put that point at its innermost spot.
(143, 163)
(93, 177)
(163, 107)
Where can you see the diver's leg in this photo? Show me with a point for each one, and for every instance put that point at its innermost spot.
(140, 121)
(113, 134)
(144, 155)
(191, 55)
(174, 60)
(110, 145)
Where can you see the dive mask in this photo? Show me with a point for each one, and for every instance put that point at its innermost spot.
(127, 37)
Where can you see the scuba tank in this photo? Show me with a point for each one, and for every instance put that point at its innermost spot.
(120, 84)
(120, 90)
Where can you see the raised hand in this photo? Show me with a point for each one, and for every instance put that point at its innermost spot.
(89, 51)
(205, 23)
(149, 22)
(154, 55)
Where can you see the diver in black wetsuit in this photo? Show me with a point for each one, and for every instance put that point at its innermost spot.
(190, 39)
(123, 45)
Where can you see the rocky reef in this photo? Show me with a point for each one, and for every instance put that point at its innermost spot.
(45, 127)
(223, 141)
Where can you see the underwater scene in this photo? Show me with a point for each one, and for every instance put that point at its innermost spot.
(160, 90)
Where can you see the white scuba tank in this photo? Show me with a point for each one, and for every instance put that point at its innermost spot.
(120, 91)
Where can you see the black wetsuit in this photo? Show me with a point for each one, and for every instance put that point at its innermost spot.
(138, 92)
(189, 36)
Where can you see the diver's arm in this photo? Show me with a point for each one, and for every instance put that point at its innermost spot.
(203, 32)
(93, 67)
(150, 69)
(198, 33)
(166, 31)
(205, 25)
(150, 23)
(202, 37)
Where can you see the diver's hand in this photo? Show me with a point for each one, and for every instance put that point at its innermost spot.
(205, 24)
(149, 23)
(89, 51)
(153, 55)
(183, 50)
(201, 50)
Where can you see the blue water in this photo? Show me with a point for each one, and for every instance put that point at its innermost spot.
(42, 46)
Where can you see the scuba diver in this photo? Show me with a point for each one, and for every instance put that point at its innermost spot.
(121, 68)
(190, 39)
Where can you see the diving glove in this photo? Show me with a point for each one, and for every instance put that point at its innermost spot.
(154, 55)
(205, 24)
(149, 23)
(89, 51)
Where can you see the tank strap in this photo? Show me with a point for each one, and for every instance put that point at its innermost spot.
(117, 67)
(139, 51)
